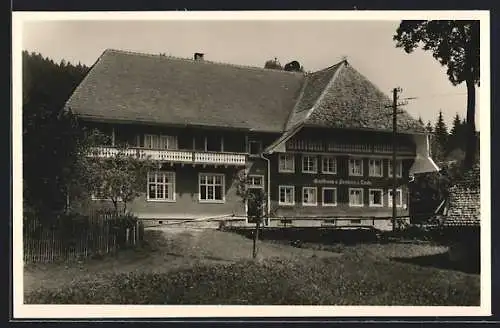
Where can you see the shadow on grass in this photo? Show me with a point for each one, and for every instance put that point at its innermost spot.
(440, 261)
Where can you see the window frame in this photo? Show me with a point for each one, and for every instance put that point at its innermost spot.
(165, 137)
(173, 184)
(323, 189)
(213, 185)
(399, 171)
(291, 158)
(372, 173)
(279, 195)
(389, 198)
(362, 197)
(160, 141)
(315, 196)
(314, 162)
(250, 177)
(350, 166)
(370, 198)
(329, 157)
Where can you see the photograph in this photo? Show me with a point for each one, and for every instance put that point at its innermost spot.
(259, 160)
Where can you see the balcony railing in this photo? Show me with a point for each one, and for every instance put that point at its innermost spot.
(178, 156)
(220, 158)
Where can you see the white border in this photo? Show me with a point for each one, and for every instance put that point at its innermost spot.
(323, 197)
(212, 201)
(400, 168)
(356, 158)
(381, 160)
(279, 195)
(323, 157)
(162, 200)
(389, 197)
(362, 197)
(315, 193)
(315, 164)
(370, 204)
(132, 311)
(280, 170)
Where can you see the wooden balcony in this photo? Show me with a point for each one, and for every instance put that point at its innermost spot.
(174, 156)
(219, 158)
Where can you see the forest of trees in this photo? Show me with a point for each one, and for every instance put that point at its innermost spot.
(448, 147)
(50, 137)
(447, 144)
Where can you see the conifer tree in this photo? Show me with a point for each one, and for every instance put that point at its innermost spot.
(440, 137)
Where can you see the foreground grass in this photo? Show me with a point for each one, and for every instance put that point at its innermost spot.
(213, 268)
(307, 282)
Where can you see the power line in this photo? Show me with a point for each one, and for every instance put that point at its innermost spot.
(437, 95)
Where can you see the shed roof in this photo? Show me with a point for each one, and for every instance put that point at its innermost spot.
(464, 200)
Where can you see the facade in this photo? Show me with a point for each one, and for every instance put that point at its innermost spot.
(318, 144)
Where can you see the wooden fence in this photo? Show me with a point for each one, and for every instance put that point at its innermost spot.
(75, 238)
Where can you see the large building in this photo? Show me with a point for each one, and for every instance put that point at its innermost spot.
(319, 144)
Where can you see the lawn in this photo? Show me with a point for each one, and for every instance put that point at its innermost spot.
(182, 266)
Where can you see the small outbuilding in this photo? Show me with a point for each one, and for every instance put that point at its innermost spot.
(462, 220)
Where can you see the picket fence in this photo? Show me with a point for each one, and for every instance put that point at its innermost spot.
(99, 233)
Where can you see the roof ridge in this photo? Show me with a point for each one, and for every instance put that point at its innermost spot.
(297, 102)
(342, 64)
(204, 61)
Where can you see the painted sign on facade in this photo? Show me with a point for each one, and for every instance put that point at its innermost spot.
(343, 182)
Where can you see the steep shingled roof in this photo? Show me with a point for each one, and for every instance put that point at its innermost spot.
(464, 202)
(134, 87)
(314, 86)
(352, 101)
(123, 86)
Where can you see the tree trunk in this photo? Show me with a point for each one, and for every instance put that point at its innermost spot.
(255, 238)
(471, 143)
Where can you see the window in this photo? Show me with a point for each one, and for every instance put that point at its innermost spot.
(376, 198)
(399, 198)
(375, 168)
(356, 167)
(309, 196)
(286, 163)
(287, 195)
(211, 188)
(356, 197)
(329, 165)
(329, 196)
(254, 147)
(309, 164)
(161, 186)
(255, 181)
(399, 168)
(214, 143)
(152, 141)
(168, 142)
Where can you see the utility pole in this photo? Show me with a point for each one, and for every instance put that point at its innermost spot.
(395, 92)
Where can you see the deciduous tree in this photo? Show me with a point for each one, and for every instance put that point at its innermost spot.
(455, 44)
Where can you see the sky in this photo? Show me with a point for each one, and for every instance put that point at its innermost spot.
(367, 45)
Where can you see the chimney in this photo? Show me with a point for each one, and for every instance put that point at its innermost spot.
(198, 56)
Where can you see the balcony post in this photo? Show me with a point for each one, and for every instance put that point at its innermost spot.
(113, 136)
